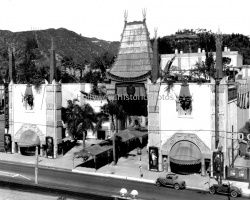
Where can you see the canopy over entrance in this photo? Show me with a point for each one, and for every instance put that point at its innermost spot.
(28, 139)
(185, 153)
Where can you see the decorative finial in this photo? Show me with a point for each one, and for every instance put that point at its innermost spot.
(155, 32)
(125, 15)
(218, 37)
(144, 13)
(52, 43)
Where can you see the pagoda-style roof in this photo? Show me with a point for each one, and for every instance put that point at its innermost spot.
(134, 59)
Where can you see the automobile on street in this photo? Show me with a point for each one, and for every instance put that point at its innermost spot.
(171, 180)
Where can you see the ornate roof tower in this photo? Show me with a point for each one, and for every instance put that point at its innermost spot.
(135, 56)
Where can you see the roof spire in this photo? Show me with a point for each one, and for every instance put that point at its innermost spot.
(144, 13)
(52, 43)
(125, 15)
(155, 32)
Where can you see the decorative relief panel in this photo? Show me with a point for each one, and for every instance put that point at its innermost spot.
(153, 109)
(49, 106)
(58, 88)
(50, 123)
(59, 123)
(221, 111)
(154, 88)
(188, 137)
(221, 88)
(153, 129)
(31, 127)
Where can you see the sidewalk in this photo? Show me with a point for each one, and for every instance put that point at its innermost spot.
(126, 168)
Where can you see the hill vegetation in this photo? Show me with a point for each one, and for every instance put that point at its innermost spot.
(82, 59)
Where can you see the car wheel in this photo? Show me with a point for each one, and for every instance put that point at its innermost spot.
(212, 190)
(158, 184)
(234, 194)
(176, 186)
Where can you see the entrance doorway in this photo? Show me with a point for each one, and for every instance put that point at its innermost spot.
(185, 169)
(101, 135)
(185, 158)
(132, 97)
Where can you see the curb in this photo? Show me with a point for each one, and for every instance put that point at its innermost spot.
(33, 165)
(114, 176)
(141, 180)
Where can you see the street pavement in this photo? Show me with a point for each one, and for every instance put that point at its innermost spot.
(126, 168)
(7, 194)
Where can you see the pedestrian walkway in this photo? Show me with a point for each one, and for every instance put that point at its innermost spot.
(126, 168)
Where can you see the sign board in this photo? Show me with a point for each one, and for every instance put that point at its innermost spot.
(218, 163)
(232, 94)
(49, 147)
(7, 143)
(153, 158)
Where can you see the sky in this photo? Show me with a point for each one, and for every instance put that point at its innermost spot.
(104, 19)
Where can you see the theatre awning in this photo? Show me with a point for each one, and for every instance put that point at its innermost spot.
(125, 136)
(185, 153)
(28, 139)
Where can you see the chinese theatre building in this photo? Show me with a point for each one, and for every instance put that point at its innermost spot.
(188, 122)
(128, 76)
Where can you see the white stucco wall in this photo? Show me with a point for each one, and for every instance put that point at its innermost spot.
(188, 60)
(37, 116)
(198, 123)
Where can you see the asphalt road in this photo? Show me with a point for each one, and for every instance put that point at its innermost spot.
(95, 185)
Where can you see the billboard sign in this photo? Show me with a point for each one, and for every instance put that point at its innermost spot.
(153, 158)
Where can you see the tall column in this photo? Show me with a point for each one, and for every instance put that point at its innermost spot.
(154, 135)
(53, 105)
(53, 114)
(203, 171)
(11, 116)
(155, 69)
(11, 64)
(53, 72)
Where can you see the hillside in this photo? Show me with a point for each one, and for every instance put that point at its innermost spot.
(66, 42)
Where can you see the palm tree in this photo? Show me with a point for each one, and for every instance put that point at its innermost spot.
(78, 118)
(110, 111)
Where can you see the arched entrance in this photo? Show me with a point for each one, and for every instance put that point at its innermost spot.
(185, 158)
(28, 142)
(186, 153)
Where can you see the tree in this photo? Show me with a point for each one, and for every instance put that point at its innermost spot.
(78, 119)
(111, 111)
(103, 62)
(205, 69)
(27, 71)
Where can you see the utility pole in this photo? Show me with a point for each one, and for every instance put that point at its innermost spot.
(36, 166)
(219, 75)
(232, 146)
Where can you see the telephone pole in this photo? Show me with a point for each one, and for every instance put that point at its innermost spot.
(218, 77)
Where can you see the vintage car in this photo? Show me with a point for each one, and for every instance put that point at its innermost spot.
(171, 180)
(225, 188)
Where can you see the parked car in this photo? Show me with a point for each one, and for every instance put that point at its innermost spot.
(225, 188)
(171, 180)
